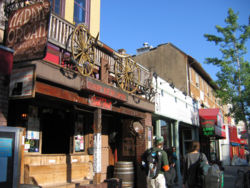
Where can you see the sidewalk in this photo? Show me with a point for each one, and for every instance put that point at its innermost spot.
(230, 175)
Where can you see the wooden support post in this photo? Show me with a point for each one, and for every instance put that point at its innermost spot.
(97, 145)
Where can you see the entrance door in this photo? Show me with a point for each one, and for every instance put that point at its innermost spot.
(55, 127)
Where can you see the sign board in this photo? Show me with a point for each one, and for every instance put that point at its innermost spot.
(103, 89)
(100, 102)
(22, 82)
(9, 156)
(27, 31)
(208, 127)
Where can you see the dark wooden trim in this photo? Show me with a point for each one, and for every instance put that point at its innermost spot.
(128, 111)
(60, 93)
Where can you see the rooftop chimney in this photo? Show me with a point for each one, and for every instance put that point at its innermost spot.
(144, 49)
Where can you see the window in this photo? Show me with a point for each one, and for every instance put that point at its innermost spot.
(80, 11)
(190, 73)
(202, 84)
(56, 6)
(197, 80)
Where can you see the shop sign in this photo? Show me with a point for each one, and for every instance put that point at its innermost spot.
(103, 89)
(100, 102)
(27, 31)
(208, 127)
(22, 82)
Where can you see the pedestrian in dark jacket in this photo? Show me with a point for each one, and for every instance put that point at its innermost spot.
(190, 159)
(170, 175)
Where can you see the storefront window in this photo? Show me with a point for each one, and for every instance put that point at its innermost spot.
(79, 134)
(187, 140)
(32, 139)
(165, 133)
(213, 151)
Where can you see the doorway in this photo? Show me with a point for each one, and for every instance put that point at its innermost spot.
(55, 127)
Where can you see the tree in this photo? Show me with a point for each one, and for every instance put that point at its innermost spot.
(233, 77)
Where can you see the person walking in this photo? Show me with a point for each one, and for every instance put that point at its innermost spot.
(155, 163)
(170, 175)
(190, 160)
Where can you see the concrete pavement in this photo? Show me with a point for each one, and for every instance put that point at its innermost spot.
(230, 175)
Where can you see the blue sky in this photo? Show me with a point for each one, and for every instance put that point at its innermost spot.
(128, 24)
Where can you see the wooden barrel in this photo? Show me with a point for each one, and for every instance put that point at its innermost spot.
(125, 170)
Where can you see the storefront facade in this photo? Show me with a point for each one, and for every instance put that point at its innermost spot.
(176, 118)
(211, 130)
(80, 115)
(237, 145)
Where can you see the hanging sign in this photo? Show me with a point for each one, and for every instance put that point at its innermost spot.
(208, 127)
(100, 102)
(27, 31)
(102, 89)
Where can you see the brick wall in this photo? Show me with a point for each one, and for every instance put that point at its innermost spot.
(141, 141)
(4, 86)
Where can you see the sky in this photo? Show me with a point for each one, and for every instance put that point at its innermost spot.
(127, 24)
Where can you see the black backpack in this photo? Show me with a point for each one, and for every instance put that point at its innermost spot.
(197, 172)
(151, 162)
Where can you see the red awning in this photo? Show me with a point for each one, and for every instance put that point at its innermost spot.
(211, 121)
(209, 113)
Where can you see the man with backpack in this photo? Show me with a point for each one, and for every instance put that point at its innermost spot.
(155, 163)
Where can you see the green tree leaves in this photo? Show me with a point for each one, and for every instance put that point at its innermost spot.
(233, 78)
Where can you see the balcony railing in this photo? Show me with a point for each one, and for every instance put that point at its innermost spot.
(60, 34)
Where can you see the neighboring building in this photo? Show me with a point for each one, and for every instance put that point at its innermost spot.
(176, 117)
(238, 142)
(183, 72)
(78, 125)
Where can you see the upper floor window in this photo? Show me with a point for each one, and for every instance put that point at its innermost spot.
(197, 80)
(80, 11)
(190, 74)
(56, 6)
